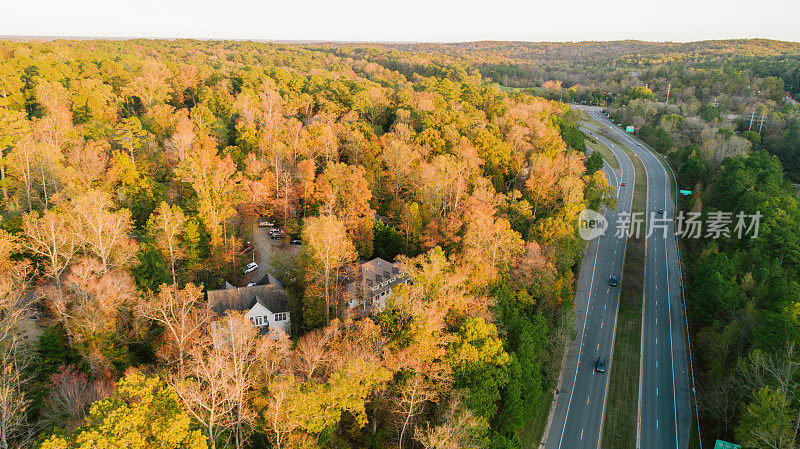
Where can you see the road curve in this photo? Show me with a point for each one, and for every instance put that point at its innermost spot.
(577, 418)
(664, 403)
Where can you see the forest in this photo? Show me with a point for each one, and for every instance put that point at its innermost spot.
(133, 176)
(742, 295)
(724, 114)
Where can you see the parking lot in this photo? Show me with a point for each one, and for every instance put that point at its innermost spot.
(264, 248)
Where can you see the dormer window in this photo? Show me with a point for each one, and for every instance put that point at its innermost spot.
(378, 278)
(386, 274)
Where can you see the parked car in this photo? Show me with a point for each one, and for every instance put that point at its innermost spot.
(274, 230)
(612, 281)
(661, 211)
(276, 236)
(600, 367)
(251, 284)
(623, 184)
(296, 242)
(265, 224)
(252, 266)
(246, 249)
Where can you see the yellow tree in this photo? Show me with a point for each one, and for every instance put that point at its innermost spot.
(13, 126)
(167, 225)
(144, 412)
(343, 191)
(14, 278)
(216, 182)
(328, 248)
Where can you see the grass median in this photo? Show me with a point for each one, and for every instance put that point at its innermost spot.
(608, 156)
(622, 406)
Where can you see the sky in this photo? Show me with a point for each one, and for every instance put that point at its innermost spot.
(405, 20)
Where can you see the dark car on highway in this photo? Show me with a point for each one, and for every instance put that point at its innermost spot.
(600, 367)
(612, 281)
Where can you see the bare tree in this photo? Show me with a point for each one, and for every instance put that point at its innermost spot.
(101, 231)
(51, 237)
(241, 347)
(71, 395)
(414, 394)
(14, 357)
(182, 313)
(167, 224)
(458, 429)
(205, 389)
(313, 351)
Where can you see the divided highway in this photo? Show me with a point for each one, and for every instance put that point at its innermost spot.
(664, 407)
(577, 419)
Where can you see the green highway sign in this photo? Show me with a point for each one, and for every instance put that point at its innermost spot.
(725, 445)
(686, 192)
(629, 128)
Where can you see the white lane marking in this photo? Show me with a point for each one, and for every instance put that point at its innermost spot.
(580, 347)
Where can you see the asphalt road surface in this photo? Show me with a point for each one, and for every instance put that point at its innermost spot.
(664, 407)
(578, 416)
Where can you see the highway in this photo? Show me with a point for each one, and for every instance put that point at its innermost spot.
(664, 400)
(577, 418)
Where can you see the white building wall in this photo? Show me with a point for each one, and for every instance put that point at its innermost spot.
(267, 318)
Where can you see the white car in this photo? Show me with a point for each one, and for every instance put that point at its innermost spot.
(251, 284)
(265, 224)
(252, 266)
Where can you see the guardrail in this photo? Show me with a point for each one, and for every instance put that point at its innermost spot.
(683, 303)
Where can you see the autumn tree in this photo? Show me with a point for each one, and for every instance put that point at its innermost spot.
(14, 355)
(183, 314)
(13, 126)
(167, 225)
(94, 306)
(457, 428)
(52, 237)
(144, 412)
(71, 396)
(216, 182)
(101, 231)
(328, 249)
(343, 191)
